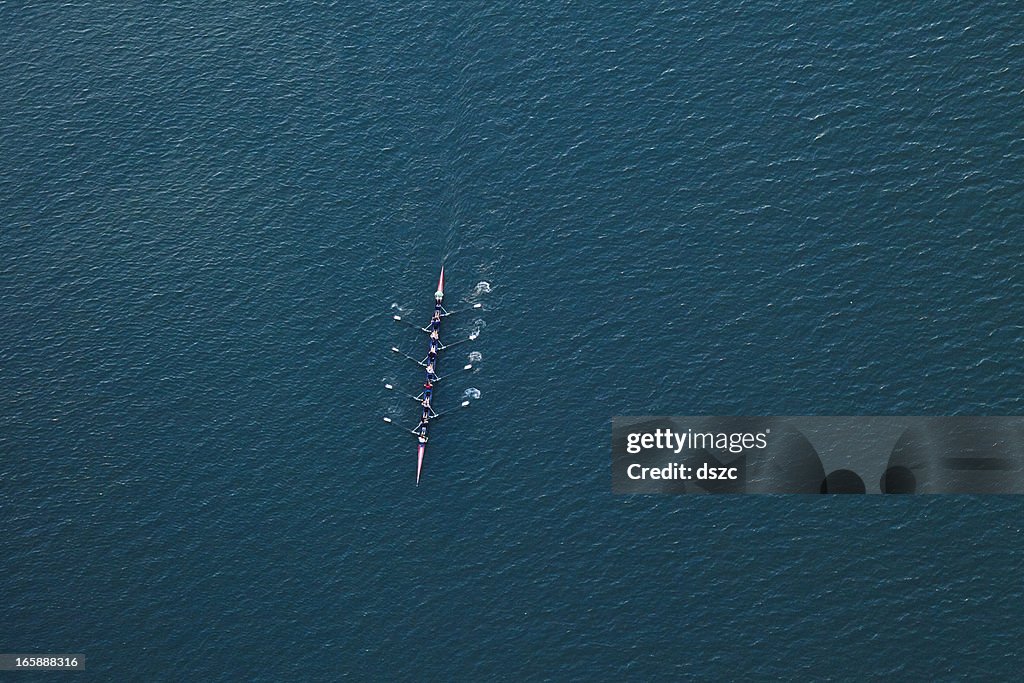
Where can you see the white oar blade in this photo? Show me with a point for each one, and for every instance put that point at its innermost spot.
(468, 367)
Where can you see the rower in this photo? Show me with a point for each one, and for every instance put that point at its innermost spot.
(434, 335)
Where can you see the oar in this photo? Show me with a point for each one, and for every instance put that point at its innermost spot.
(390, 387)
(461, 341)
(468, 366)
(402, 353)
(414, 326)
(463, 310)
(464, 404)
(392, 422)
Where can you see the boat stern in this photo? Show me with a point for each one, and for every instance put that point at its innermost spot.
(439, 294)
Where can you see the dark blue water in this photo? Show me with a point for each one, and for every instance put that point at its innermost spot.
(702, 208)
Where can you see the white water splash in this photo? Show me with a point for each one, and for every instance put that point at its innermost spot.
(472, 393)
(476, 357)
(482, 287)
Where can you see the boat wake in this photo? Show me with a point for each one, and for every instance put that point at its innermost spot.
(472, 393)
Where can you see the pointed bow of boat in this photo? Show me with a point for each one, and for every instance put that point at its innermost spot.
(419, 462)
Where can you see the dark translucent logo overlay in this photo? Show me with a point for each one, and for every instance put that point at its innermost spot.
(818, 455)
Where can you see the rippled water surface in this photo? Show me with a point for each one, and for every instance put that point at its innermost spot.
(209, 212)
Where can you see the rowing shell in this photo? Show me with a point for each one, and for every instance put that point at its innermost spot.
(421, 451)
(430, 366)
